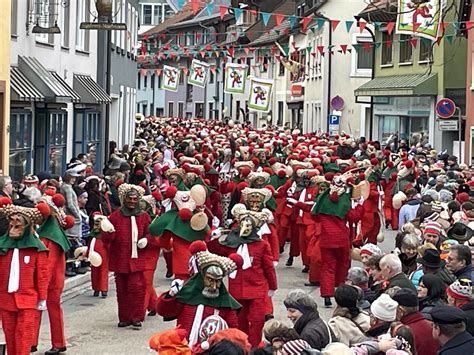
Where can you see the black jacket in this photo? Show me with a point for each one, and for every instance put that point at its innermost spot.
(465, 273)
(312, 328)
(462, 343)
(469, 310)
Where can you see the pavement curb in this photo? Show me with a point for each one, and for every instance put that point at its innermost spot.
(77, 285)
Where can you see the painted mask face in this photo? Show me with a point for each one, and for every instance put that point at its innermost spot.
(131, 201)
(254, 203)
(259, 183)
(246, 227)
(212, 284)
(16, 226)
(190, 179)
(174, 180)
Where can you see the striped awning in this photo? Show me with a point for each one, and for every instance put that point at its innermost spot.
(21, 88)
(74, 95)
(89, 91)
(50, 84)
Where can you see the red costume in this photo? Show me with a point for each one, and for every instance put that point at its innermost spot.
(100, 274)
(370, 223)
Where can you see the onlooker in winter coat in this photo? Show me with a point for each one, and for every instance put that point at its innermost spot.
(410, 208)
(302, 310)
(431, 290)
(348, 323)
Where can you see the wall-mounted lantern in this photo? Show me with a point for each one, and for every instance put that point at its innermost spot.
(44, 15)
(104, 18)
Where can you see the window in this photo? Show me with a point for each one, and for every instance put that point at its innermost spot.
(152, 82)
(299, 57)
(181, 109)
(144, 109)
(87, 136)
(406, 50)
(14, 15)
(387, 48)
(170, 109)
(82, 15)
(167, 11)
(189, 92)
(20, 144)
(157, 14)
(280, 113)
(199, 110)
(50, 141)
(211, 77)
(364, 55)
(147, 14)
(281, 71)
(65, 26)
(145, 80)
(265, 64)
(425, 50)
(139, 80)
(211, 111)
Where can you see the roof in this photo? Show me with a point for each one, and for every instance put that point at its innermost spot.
(272, 35)
(185, 14)
(380, 11)
(74, 95)
(400, 85)
(89, 90)
(22, 87)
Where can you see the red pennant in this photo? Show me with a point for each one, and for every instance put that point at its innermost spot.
(414, 42)
(195, 6)
(162, 36)
(286, 31)
(198, 36)
(321, 50)
(143, 72)
(213, 69)
(362, 25)
(278, 19)
(306, 21)
(313, 54)
(186, 71)
(145, 37)
(247, 50)
(344, 48)
(203, 53)
(230, 52)
(366, 45)
(158, 72)
(253, 12)
(265, 66)
(252, 49)
(390, 27)
(334, 24)
(274, 50)
(222, 11)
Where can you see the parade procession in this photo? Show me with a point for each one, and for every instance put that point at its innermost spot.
(277, 177)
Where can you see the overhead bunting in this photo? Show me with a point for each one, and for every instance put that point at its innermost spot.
(260, 94)
(170, 78)
(235, 77)
(420, 18)
(199, 73)
(265, 17)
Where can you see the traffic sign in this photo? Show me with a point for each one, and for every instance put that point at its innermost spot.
(445, 108)
(448, 125)
(334, 119)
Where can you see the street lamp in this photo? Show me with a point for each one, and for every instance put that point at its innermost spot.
(104, 22)
(44, 14)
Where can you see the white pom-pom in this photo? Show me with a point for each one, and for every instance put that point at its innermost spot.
(205, 345)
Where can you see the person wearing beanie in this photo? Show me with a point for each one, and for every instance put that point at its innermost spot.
(459, 293)
(409, 314)
(432, 233)
(431, 291)
(295, 347)
(348, 322)
(449, 329)
(302, 310)
(367, 251)
(383, 311)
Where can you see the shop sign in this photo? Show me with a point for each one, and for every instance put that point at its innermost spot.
(297, 90)
(448, 125)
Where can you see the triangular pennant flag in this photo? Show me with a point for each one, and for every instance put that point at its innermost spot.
(309, 48)
(203, 53)
(230, 52)
(313, 29)
(237, 13)
(306, 21)
(265, 17)
(362, 25)
(293, 20)
(222, 11)
(366, 45)
(213, 69)
(278, 19)
(357, 46)
(320, 23)
(344, 48)
(321, 50)
(180, 4)
(313, 54)
(390, 27)
(253, 12)
(158, 72)
(389, 43)
(143, 72)
(210, 8)
(334, 24)
(277, 32)
(377, 25)
(218, 54)
(414, 41)
(247, 50)
(195, 6)
(349, 25)
(377, 44)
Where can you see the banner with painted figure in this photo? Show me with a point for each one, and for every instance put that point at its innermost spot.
(420, 18)
(198, 73)
(260, 94)
(170, 78)
(235, 78)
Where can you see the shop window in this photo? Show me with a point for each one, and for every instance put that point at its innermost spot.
(425, 50)
(87, 136)
(387, 48)
(50, 141)
(20, 144)
(406, 49)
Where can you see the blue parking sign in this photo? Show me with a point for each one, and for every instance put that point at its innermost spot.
(334, 119)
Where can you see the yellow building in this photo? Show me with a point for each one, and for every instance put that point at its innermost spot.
(5, 22)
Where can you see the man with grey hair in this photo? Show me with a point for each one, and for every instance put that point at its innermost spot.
(391, 269)
(358, 277)
(302, 310)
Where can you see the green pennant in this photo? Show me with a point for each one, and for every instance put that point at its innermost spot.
(377, 25)
(313, 29)
(377, 44)
(308, 49)
(277, 32)
(349, 25)
(331, 46)
(357, 46)
(320, 23)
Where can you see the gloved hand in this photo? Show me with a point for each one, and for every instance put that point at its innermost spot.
(229, 222)
(215, 222)
(291, 201)
(176, 285)
(271, 293)
(216, 233)
(275, 264)
(142, 243)
(41, 305)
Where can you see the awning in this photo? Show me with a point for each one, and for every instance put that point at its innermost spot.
(74, 95)
(400, 85)
(89, 91)
(52, 87)
(21, 88)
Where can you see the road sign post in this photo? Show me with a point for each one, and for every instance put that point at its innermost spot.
(334, 122)
(445, 108)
